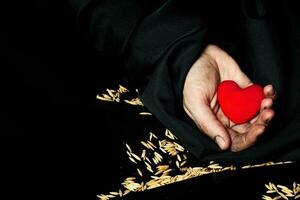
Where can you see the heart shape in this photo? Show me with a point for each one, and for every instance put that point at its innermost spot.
(239, 104)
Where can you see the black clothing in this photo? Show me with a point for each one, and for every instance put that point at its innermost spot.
(160, 40)
(65, 141)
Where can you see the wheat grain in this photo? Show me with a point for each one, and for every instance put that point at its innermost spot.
(169, 134)
(283, 196)
(128, 147)
(162, 150)
(143, 155)
(126, 192)
(265, 197)
(110, 92)
(145, 113)
(154, 160)
(183, 163)
(114, 193)
(179, 158)
(153, 135)
(285, 189)
(128, 153)
(132, 160)
(215, 166)
(136, 157)
(150, 143)
(122, 89)
(178, 147)
(139, 172)
(103, 99)
(158, 155)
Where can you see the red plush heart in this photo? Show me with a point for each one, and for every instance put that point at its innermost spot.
(239, 104)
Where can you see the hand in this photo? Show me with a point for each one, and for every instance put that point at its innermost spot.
(201, 105)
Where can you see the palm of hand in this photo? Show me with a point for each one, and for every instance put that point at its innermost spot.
(200, 101)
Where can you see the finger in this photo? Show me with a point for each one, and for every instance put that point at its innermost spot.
(254, 132)
(244, 141)
(229, 68)
(239, 77)
(265, 117)
(266, 103)
(223, 118)
(241, 128)
(270, 92)
(254, 119)
(188, 112)
(207, 121)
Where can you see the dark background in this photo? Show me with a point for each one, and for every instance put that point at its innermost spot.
(57, 141)
(53, 130)
(48, 65)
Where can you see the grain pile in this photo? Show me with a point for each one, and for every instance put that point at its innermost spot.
(162, 160)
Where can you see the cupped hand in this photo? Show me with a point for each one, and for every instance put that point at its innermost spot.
(201, 105)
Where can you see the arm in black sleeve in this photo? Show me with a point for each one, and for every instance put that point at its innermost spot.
(159, 41)
(158, 56)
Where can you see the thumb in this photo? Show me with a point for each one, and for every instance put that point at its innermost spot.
(207, 121)
(229, 69)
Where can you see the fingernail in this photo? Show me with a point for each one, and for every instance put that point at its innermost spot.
(220, 141)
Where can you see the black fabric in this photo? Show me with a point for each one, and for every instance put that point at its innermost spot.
(54, 133)
(263, 37)
(262, 50)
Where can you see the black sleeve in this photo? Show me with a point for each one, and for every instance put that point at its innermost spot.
(159, 55)
(158, 41)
